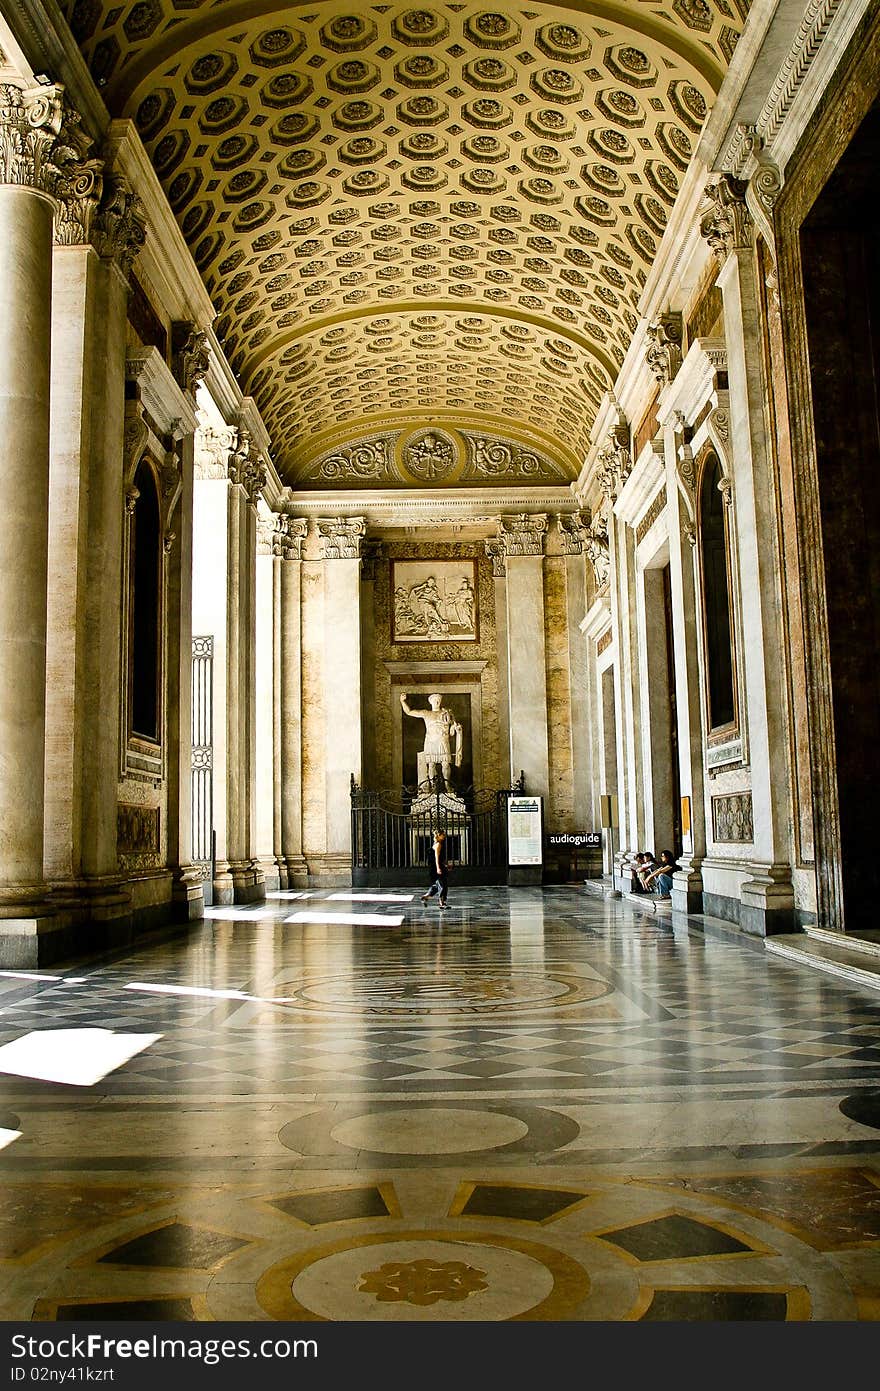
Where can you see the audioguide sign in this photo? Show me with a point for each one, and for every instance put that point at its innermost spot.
(574, 840)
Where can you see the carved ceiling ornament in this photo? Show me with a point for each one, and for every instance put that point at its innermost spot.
(369, 461)
(663, 350)
(335, 176)
(430, 455)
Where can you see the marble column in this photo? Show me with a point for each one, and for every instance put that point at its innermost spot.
(264, 706)
(522, 539)
(342, 686)
(495, 551)
(573, 532)
(191, 363)
(289, 537)
(210, 601)
(27, 130)
(767, 897)
(687, 885)
(255, 480)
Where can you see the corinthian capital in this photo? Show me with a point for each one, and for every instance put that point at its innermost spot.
(573, 529)
(663, 349)
(523, 534)
(596, 548)
(341, 537)
(725, 221)
(30, 124)
(290, 533)
(120, 223)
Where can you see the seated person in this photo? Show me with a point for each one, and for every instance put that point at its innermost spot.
(645, 862)
(659, 879)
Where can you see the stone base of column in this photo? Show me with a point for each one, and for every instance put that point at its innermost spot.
(271, 873)
(331, 870)
(767, 901)
(244, 881)
(186, 893)
(224, 889)
(27, 942)
(687, 888)
(297, 872)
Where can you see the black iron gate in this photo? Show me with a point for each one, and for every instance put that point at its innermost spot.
(392, 830)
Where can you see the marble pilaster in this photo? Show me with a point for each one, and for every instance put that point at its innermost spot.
(522, 539)
(265, 677)
(342, 685)
(288, 543)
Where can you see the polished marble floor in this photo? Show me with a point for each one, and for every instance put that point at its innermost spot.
(537, 1106)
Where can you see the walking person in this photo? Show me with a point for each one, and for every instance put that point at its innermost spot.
(439, 869)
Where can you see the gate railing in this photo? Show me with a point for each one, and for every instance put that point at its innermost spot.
(392, 830)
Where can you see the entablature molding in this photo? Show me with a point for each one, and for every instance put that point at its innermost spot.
(165, 402)
(701, 376)
(597, 619)
(647, 477)
(420, 510)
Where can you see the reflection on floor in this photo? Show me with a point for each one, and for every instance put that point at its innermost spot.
(539, 1106)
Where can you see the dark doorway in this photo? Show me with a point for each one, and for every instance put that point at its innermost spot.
(842, 307)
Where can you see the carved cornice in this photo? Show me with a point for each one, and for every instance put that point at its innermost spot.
(725, 221)
(574, 529)
(341, 537)
(703, 375)
(165, 403)
(523, 534)
(663, 350)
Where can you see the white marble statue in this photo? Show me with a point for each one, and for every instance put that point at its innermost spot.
(444, 740)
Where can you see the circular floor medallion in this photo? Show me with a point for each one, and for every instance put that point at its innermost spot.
(429, 1130)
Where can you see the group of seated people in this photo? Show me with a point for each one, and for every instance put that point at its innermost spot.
(655, 873)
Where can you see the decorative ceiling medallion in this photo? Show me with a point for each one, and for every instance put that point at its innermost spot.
(545, 158)
(421, 70)
(490, 30)
(277, 46)
(662, 179)
(295, 128)
(361, 149)
(675, 144)
(539, 190)
(352, 75)
(621, 107)
(222, 114)
(209, 72)
(630, 65)
(550, 124)
(482, 148)
(430, 456)
(563, 41)
(613, 145)
(424, 144)
(357, 115)
(423, 111)
(490, 74)
(483, 181)
(348, 32)
(287, 89)
(365, 183)
(419, 27)
(604, 179)
(425, 177)
(556, 84)
(308, 193)
(688, 104)
(487, 113)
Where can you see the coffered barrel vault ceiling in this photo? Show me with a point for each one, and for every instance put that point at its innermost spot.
(404, 214)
